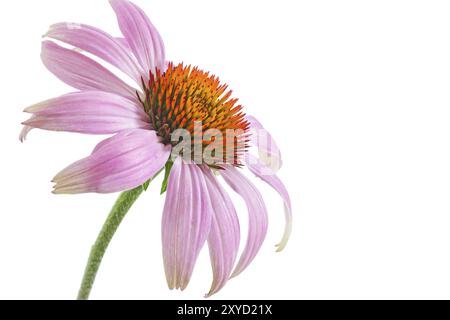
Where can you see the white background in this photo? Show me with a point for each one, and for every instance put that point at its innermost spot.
(355, 92)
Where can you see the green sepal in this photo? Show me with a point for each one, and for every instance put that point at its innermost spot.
(146, 185)
(169, 166)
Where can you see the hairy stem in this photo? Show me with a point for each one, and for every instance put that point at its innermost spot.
(118, 212)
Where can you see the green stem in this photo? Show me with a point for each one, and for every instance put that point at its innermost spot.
(118, 212)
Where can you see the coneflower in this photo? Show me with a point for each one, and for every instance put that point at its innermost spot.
(177, 119)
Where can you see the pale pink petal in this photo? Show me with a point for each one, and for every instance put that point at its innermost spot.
(268, 176)
(124, 43)
(100, 44)
(120, 163)
(186, 222)
(81, 72)
(269, 152)
(224, 236)
(90, 112)
(110, 143)
(142, 37)
(257, 223)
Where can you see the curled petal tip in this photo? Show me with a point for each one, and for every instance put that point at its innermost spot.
(170, 284)
(282, 245)
(57, 188)
(24, 133)
(183, 285)
(57, 178)
(235, 274)
(36, 107)
(211, 293)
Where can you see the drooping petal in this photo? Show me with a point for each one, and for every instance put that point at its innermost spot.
(269, 152)
(81, 72)
(224, 236)
(142, 37)
(90, 112)
(120, 163)
(267, 175)
(100, 44)
(186, 222)
(257, 223)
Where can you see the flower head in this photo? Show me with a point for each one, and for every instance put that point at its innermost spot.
(176, 117)
(182, 97)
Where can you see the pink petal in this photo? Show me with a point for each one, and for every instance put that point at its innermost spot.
(257, 223)
(143, 38)
(124, 43)
(186, 222)
(268, 176)
(224, 236)
(120, 163)
(90, 112)
(269, 152)
(81, 72)
(100, 44)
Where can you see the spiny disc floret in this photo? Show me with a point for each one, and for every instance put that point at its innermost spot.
(184, 96)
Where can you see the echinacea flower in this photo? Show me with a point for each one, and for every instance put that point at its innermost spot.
(175, 118)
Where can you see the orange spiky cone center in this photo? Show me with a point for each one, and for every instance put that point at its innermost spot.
(183, 97)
